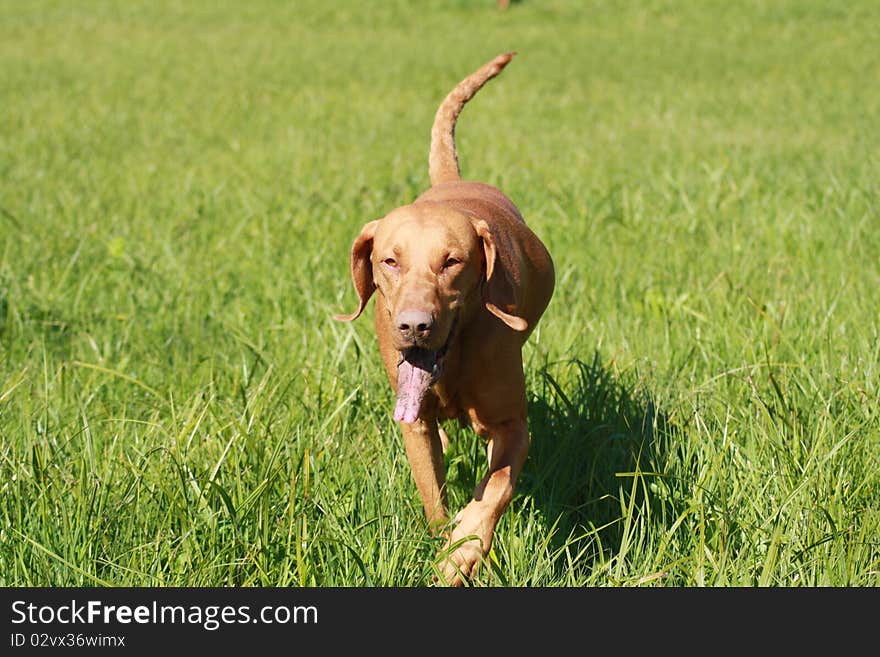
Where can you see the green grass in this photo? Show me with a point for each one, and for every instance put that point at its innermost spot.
(179, 186)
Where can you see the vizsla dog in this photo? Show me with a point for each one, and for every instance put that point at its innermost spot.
(460, 283)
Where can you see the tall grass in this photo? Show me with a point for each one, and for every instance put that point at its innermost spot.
(179, 185)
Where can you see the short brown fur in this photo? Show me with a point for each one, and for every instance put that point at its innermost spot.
(462, 258)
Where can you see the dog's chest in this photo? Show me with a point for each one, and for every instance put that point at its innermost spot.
(452, 403)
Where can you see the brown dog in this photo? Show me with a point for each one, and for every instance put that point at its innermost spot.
(460, 283)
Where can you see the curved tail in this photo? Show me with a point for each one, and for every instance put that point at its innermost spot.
(443, 160)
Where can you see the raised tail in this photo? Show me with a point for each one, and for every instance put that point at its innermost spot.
(443, 160)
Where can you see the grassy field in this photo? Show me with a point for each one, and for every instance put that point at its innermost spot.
(179, 186)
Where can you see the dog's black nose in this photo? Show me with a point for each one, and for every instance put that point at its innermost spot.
(414, 324)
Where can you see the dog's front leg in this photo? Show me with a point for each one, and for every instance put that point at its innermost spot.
(508, 446)
(424, 451)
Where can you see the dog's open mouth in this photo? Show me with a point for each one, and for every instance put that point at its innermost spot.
(417, 371)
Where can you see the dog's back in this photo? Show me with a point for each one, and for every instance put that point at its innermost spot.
(524, 258)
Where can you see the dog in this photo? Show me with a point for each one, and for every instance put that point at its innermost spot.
(460, 283)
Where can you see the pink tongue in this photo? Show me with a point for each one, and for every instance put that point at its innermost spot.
(412, 384)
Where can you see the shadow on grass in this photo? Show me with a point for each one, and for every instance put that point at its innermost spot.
(589, 434)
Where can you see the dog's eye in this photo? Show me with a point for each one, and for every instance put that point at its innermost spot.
(451, 262)
(390, 262)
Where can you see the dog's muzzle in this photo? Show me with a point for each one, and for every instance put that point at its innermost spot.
(417, 371)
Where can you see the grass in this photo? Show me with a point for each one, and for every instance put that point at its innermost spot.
(179, 186)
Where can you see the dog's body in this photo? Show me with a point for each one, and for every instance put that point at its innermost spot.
(461, 282)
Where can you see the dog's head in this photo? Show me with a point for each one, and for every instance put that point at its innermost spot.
(433, 267)
(430, 264)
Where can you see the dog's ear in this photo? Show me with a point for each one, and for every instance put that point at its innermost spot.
(498, 289)
(362, 269)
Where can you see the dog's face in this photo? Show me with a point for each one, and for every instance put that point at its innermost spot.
(430, 263)
(427, 263)
(427, 267)
(431, 266)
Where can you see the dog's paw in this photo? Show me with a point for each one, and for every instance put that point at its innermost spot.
(460, 560)
(466, 546)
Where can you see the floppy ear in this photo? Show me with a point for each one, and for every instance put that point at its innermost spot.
(361, 269)
(496, 281)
